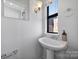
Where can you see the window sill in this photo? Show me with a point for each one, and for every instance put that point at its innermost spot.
(51, 35)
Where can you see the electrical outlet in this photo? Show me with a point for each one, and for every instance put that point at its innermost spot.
(3, 56)
(15, 51)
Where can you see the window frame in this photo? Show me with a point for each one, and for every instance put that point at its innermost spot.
(51, 16)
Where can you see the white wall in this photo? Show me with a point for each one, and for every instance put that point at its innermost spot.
(22, 35)
(70, 24)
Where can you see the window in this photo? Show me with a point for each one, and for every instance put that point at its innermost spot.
(52, 17)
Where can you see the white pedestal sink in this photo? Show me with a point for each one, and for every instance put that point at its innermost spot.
(52, 45)
(50, 54)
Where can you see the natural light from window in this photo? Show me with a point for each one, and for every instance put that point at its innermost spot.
(53, 8)
(52, 17)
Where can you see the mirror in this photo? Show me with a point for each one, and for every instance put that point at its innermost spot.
(18, 9)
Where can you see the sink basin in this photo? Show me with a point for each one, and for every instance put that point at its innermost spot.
(52, 43)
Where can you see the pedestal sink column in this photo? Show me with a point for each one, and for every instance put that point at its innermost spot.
(50, 54)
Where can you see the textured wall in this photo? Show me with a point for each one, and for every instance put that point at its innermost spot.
(22, 35)
(69, 23)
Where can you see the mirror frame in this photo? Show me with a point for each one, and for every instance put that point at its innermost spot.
(2, 12)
